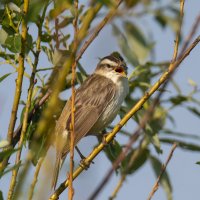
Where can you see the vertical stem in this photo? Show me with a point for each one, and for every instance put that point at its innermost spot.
(75, 23)
(19, 79)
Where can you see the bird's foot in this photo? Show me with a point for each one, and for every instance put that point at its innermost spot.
(105, 143)
(84, 164)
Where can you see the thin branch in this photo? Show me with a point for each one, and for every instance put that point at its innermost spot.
(27, 107)
(156, 185)
(33, 184)
(100, 26)
(72, 131)
(19, 79)
(119, 185)
(17, 97)
(191, 34)
(179, 30)
(137, 107)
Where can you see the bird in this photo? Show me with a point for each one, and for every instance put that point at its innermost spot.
(97, 102)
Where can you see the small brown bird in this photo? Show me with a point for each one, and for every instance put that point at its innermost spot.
(97, 103)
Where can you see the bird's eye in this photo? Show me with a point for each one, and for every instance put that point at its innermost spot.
(109, 66)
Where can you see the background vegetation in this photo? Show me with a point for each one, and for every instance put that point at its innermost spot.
(40, 41)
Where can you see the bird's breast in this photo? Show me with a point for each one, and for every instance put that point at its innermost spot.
(113, 107)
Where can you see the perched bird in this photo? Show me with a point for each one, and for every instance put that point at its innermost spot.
(97, 102)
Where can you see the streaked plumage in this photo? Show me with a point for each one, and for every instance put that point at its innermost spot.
(97, 103)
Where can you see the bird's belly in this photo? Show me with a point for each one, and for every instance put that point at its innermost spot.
(111, 111)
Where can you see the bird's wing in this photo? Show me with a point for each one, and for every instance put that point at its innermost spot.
(92, 98)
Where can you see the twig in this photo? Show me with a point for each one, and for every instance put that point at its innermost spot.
(191, 34)
(18, 95)
(28, 105)
(106, 19)
(139, 104)
(179, 30)
(33, 184)
(156, 185)
(119, 185)
(19, 79)
(72, 134)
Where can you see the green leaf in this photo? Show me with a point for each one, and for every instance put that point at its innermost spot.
(6, 153)
(178, 99)
(124, 46)
(137, 41)
(140, 157)
(181, 144)
(4, 76)
(3, 36)
(165, 181)
(10, 169)
(113, 150)
(3, 143)
(13, 43)
(194, 111)
(198, 163)
(181, 135)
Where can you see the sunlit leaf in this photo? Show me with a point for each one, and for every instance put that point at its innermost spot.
(3, 36)
(4, 143)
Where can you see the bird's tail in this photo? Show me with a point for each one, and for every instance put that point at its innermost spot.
(56, 170)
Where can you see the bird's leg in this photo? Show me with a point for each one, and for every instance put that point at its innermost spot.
(85, 165)
(103, 136)
(79, 153)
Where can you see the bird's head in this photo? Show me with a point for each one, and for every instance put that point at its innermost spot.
(113, 63)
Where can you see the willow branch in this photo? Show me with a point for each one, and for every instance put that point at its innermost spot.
(163, 169)
(137, 107)
(179, 30)
(119, 185)
(33, 184)
(19, 79)
(18, 91)
(100, 26)
(72, 136)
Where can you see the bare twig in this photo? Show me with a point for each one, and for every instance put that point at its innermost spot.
(33, 184)
(72, 137)
(119, 185)
(100, 26)
(156, 185)
(191, 34)
(179, 30)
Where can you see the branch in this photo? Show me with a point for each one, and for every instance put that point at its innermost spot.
(17, 97)
(33, 184)
(137, 107)
(19, 79)
(72, 131)
(156, 185)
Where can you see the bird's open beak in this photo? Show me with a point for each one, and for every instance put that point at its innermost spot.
(120, 70)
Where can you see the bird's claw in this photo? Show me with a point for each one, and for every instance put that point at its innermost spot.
(85, 164)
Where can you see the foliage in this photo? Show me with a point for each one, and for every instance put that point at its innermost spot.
(53, 21)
